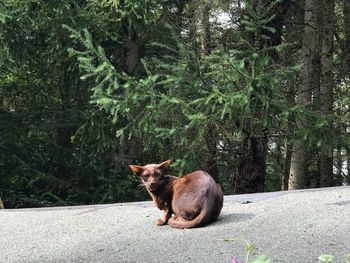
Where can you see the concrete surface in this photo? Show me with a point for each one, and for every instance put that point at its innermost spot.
(293, 227)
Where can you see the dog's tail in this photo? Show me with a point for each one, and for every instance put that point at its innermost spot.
(201, 220)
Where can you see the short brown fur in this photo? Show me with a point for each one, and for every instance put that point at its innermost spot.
(193, 200)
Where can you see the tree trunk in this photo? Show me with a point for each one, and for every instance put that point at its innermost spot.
(133, 50)
(286, 165)
(339, 164)
(133, 54)
(205, 37)
(290, 96)
(316, 60)
(211, 134)
(326, 90)
(193, 29)
(298, 167)
(346, 6)
(64, 133)
(347, 179)
(1, 204)
(326, 168)
(299, 154)
(251, 171)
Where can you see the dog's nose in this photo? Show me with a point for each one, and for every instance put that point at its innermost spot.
(153, 186)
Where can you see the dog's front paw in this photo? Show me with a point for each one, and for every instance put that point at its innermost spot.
(160, 222)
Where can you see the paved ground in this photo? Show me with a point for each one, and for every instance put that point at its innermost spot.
(293, 227)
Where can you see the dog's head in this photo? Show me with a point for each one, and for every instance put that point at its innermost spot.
(151, 175)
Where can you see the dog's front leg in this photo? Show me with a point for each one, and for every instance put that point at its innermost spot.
(167, 214)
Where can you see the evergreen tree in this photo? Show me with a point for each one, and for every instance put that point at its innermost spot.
(87, 87)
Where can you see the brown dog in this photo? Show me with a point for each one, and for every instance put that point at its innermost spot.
(194, 199)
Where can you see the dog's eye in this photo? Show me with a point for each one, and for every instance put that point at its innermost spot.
(145, 176)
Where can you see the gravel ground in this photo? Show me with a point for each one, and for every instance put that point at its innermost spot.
(295, 226)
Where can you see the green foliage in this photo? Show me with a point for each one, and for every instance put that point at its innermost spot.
(73, 115)
(249, 251)
(138, 13)
(325, 258)
(261, 259)
(48, 126)
(266, 259)
(231, 90)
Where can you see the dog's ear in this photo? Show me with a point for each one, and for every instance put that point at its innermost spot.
(164, 165)
(136, 169)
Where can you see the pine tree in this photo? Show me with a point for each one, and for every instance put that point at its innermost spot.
(327, 84)
(299, 153)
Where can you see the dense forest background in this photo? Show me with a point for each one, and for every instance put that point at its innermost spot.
(255, 92)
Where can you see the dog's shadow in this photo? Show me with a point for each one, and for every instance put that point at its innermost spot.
(226, 218)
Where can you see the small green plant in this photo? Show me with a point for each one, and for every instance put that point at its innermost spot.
(325, 258)
(266, 259)
(249, 250)
(329, 258)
